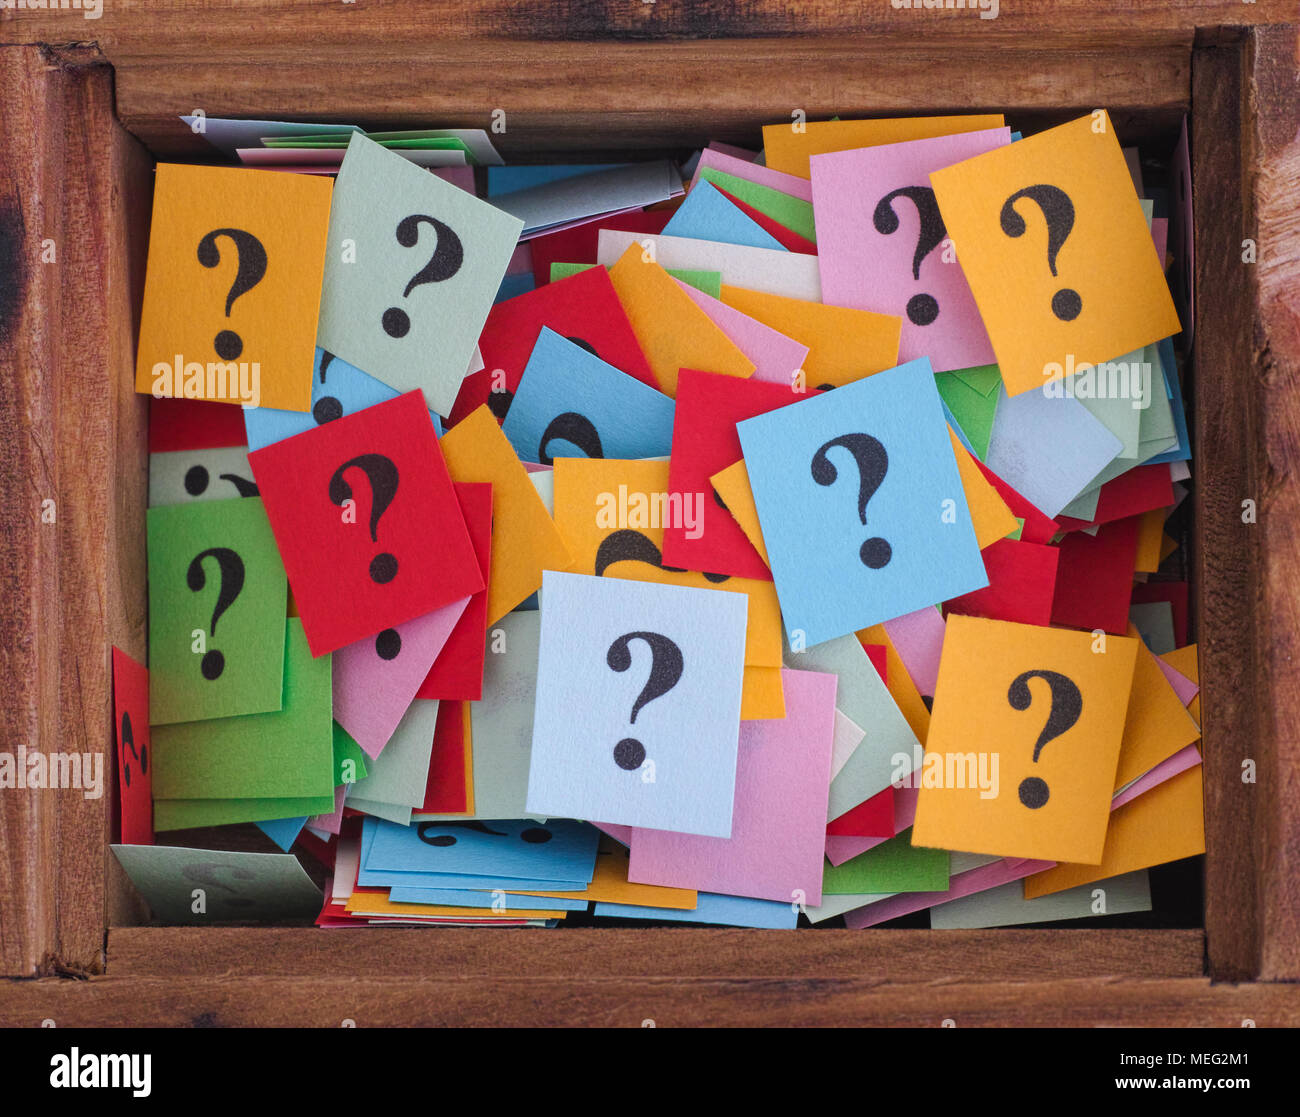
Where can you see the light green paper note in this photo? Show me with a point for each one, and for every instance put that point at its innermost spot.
(892, 866)
(785, 209)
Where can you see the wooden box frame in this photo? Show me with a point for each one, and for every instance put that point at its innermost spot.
(80, 125)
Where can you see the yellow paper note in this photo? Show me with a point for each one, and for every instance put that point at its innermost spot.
(989, 514)
(232, 289)
(672, 331)
(1150, 533)
(762, 697)
(597, 497)
(1183, 660)
(843, 344)
(610, 885)
(732, 487)
(377, 903)
(1164, 824)
(1024, 740)
(1051, 236)
(788, 147)
(525, 540)
(1157, 724)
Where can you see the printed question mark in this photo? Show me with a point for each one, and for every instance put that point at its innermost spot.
(1067, 705)
(574, 428)
(448, 255)
(231, 567)
(251, 254)
(873, 464)
(205, 872)
(197, 478)
(922, 309)
(327, 408)
(626, 545)
(665, 672)
(534, 835)
(582, 344)
(1058, 212)
(382, 475)
(128, 742)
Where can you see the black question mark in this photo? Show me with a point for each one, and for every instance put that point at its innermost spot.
(197, 478)
(534, 835)
(327, 408)
(231, 567)
(574, 428)
(666, 666)
(873, 463)
(1058, 212)
(251, 254)
(382, 475)
(626, 545)
(128, 742)
(922, 309)
(448, 255)
(1067, 705)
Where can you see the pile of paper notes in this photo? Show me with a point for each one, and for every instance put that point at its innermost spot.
(779, 534)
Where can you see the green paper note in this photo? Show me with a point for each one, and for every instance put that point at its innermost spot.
(785, 209)
(710, 282)
(217, 599)
(288, 753)
(345, 750)
(189, 814)
(981, 378)
(973, 411)
(892, 866)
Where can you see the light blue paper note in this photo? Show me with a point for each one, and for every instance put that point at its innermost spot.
(282, 831)
(1047, 448)
(629, 186)
(412, 265)
(505, 180)
(570, 403)
(637, 718)
(861, 505)
(711, 907)
(559, 849)
(498, 899)
(707, 215)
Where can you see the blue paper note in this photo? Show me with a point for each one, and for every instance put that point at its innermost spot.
(861, 505)
(711, 907)
(707, 215)
(473, 898)
(504, 180)
(1173, 390)
(511, 285)
(282, 831)
(637, 717)
(1048, 448)
(559, 849)
(571, 404)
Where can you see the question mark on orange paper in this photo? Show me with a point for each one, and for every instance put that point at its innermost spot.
(251, 256)
(666, 665)
(1067, 705)
(1058, 213)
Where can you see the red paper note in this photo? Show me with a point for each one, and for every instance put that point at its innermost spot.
(131, 730)
(1094, 578)
(1175, 593)
(1130, 494)
(577, 244)
(1038, 527)
(871, 819)
(458, 671)
(445, 791)
(367, 522)
(194, 424)
(1022, 584)
(705, 442)
(788, 238)
(583, 308)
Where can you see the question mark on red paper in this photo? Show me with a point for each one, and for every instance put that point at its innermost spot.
(448, 255)
(873, 463)
(251, 256)
(922, 309)
(128, 742)
(231, 567)
(1058, 213)
(1067, 705)
(666, 664)
(382, 475)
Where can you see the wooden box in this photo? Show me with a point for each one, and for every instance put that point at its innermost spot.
(90, 104)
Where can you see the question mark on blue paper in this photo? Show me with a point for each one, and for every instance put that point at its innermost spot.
(873, 463)
(666, 664)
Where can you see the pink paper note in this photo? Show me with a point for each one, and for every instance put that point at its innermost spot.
(735, 152)
(963, 884)
(1183, 686)
(331, 823)
(371, 693)
(1183, 759)
(752, 172)
(866, 267)
(778, 825)
(840, 849)
(776, 357)
(918, 639)
(1160, 234)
